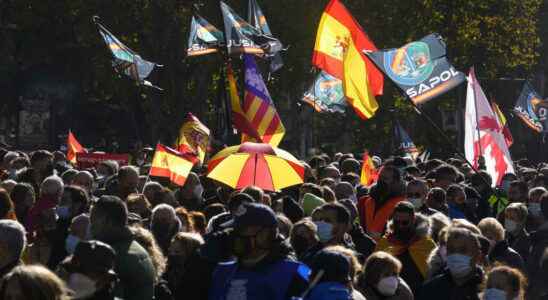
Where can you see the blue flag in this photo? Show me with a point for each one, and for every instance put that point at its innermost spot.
(532, 109)
(204, 38)
(403, 142)
(257, 19)
(326, 94)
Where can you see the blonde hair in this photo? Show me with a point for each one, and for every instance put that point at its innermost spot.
(520, 209)
(463, 223)
(502, 277)
(491, 229)
(37, 283)
(145, 238)
(374, 267)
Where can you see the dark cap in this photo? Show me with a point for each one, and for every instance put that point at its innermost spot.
(335, 265)
(93, 256)
(253, 214)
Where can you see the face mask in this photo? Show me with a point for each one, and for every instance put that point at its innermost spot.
(63, 212)
(388, 285)
(417, 202)
(494, 294)
(443, 253)
(325, 231)
(71, 242)
(534, 209)
(82, 285)
(511, 226)
(459, 265)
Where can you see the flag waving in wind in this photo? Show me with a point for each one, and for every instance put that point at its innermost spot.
(484, 134)
(369, 172)
(530, 107)
(73, 147)
(503, 123)
(259, 108)
(257, 19)
(338, 51)
(125, 61)
(204, 38)
(193, 138)
(403, 142)
(171, 164)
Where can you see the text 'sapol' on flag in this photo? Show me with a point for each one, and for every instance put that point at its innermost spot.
(259, 108)
(338, 51)
(204, 38)
(369, 173)
(532, 109)
(420, 69)
(169, 163)
(193, 138)
(73, 148)
(503, 123)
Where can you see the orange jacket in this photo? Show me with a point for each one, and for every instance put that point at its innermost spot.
(373, 219)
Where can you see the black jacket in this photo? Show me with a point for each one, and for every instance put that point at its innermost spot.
(444, 287)
(504, 254)
(537, 276)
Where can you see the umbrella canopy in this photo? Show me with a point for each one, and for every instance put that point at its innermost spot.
(255, 164)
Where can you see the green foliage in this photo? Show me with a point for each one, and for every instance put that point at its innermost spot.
(499, 37)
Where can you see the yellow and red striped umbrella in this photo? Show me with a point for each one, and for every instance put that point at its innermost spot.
(257, 164)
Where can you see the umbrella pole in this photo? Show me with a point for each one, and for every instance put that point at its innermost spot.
(255, 172)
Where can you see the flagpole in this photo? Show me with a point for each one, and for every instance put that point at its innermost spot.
(477, 116)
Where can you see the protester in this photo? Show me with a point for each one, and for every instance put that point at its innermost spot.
(79, 230)
(164, 224)
(13, 243)
(535, 217)
(436, 199)
(505, 283)
(23, 198)
(416, 192)
(334, 272)
(515, 219)
(33, 282)
(499, 250)
(304, 238)
(539, 243)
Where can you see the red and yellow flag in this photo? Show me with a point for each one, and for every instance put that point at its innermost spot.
(193, 138)
(369, 172)
(503, 124)
(338, 51)
(171, 164)
(239, 118)
(73, 147)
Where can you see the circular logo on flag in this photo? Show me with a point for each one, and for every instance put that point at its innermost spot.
(410, 64)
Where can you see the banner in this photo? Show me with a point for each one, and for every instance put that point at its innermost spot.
(326, 94)
(257, 19)
(419, 68)
(531, 109)
(91, 160)
(204, 38)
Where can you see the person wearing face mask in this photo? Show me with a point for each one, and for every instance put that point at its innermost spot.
(456, 200)
(263, 268)
(89, 272)
(303, 238)
(376, 208)
(515, 217)
(499, 250)
(408, 239)
(78, 231)
(535, 218)
(380, 279)
(164, 224)
(416, 191)
(504, 283)
(463, 277)
(539, 244)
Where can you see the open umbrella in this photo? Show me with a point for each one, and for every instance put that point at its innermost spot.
(255, 164)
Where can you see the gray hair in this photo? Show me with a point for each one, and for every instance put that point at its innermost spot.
(52, 185)
(13, 235)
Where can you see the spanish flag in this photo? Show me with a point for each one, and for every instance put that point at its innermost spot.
(171, 164)
(503, 124)
(369, 172)
(340, 42)
(193, 138)
(73, 147)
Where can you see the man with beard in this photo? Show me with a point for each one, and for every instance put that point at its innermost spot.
(375, 208)
(263, 268)
(90, 271)
(408, 239)
(109, 224)
(164, 224)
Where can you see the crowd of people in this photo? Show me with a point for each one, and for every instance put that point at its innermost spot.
(423, 230)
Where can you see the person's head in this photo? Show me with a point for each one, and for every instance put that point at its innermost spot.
(236, 200)
(351, 255)
(515, 217)
(345, 190)
(331, 172)
(350, 165)
(183, 245)
(52, 187)
(84, 179)
(437, 199)
(506, 180)
(416, 191)
(481, 181)
(164, 221)
(8, 185)
(517, 191)
(23, 198)
(284, 225)
(150, 190)
(187, 224)
(145, 238)
(333, 221)
(90, 270)
(7, 209)
(444, 176)
(303, 236)
(255, 192)
(456, 195)
(192, 188)
(390, 179)
(380, 272)
(533, 201)
(213, 210)
(20, 163)
(42, 161)
(33, 282)
(403, 221)
(439, 221)
(504, 282)
(78, 231)
(463, 251)
(74, 202)
(68, 176)
(199, 222)
(108, 214)
(138, 203)
(128, 180)
(310, 188)
(335, 267)
(107, 168)
(8, 158)
(13, 242)
(255, 231)
(492, 230)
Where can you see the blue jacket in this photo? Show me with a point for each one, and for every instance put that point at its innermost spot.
(330, 291)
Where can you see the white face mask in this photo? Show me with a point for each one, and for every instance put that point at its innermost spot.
(325, 231)
(388, 285)
(459, 265)
(417, 202)
(82, 285)
(510, 225)
(71, 242)
(494, 294)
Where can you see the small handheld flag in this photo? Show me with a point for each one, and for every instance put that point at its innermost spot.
(73, 148)
(369, 172)
(193, 138)
(170, 163)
